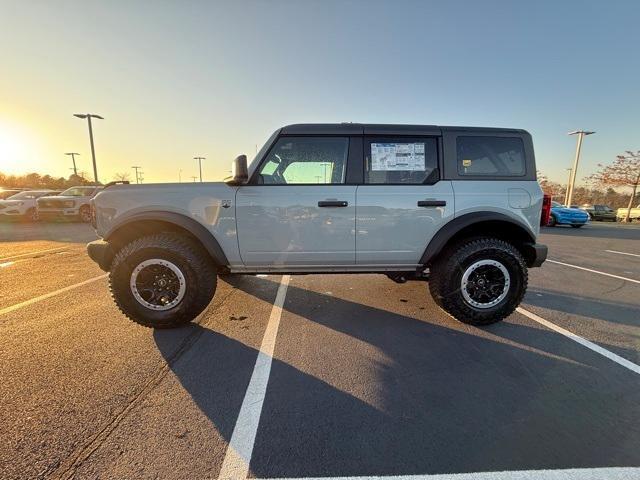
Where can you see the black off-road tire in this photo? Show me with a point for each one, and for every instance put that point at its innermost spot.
(446, 279)
(194, 263)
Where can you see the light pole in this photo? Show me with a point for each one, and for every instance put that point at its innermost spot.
(136, 168)
(180, 176)
(89, 116)
(200, 164)
(73, 157)
(566, 192)
(572, 179)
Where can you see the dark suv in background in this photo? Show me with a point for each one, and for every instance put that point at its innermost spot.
(600, 212)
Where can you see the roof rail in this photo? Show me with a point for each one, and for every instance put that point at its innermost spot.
(116, 182)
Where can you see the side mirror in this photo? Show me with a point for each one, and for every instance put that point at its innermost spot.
(239, 170)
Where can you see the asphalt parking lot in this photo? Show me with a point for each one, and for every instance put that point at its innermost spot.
(320, 375)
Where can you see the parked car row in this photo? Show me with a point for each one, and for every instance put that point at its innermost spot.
(577, 216)
(33, 205)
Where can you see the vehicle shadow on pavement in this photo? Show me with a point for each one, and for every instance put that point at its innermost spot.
(437, 398)
(615, 312)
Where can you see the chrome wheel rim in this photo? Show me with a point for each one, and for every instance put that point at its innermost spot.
(158, 284)
(485, 283)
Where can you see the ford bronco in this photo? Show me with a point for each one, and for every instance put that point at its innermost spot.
(458, 207)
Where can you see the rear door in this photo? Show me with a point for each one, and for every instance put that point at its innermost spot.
(299, 211)
(402, 202)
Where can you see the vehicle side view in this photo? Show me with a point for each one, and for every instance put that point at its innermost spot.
(600, 212)
(561, 215)
(459, 207)
(23, 204)
(633, 214)
(72, 203)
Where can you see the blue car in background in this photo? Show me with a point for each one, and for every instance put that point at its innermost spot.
(561, 215)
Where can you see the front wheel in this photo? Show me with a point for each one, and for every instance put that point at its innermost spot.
(479, 281)
(32, 215)
(577, 226)
(85, 214)
(163, 280)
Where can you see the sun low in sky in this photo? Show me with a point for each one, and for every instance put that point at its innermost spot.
(175, 80)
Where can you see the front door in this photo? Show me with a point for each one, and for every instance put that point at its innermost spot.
(298, 211)
(401, 203)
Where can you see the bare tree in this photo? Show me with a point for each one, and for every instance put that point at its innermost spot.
(623, 172)
(549, 187)
(122, 177)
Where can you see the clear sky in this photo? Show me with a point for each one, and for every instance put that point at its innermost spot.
(176, 79)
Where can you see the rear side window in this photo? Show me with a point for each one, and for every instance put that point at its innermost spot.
(400, 160)
(491, 156)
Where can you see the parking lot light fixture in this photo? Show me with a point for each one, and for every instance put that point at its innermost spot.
(73, 157)
(89, 116)
(581, 134)
(200, 164)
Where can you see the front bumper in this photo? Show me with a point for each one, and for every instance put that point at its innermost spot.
(101, 252)
(535, 254)
(58, 213)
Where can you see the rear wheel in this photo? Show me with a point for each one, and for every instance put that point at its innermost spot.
(163, 280)
(552, 221)
(479, 281)
(577, 226)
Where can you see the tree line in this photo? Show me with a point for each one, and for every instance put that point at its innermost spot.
(35, 180)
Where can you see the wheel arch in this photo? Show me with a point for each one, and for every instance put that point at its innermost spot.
(477, 224)
(146, 223)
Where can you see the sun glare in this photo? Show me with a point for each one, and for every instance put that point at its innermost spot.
(11, 148)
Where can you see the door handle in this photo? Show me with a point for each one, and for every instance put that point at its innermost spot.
(432, 203)
(332, 203)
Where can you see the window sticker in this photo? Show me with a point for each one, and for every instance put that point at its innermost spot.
(398, 157)
(466, 163)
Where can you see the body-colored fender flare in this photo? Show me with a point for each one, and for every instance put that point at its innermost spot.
(448, 231)
(195, 228)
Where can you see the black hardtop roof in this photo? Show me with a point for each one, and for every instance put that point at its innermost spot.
(383, 129)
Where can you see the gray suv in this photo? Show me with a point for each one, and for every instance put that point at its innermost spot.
(458, 207)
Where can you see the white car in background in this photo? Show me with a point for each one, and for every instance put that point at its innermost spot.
(72, 203)
(23, 204)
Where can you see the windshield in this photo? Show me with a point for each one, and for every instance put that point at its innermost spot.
(28, 195)
(556, 204)
(78, 191)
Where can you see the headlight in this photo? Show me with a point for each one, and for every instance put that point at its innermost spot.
(69, 204)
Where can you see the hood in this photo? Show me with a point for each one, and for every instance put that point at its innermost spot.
(567, 210)
(8, 203)
(60, 197)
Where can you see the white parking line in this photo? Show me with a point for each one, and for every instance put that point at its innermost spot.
(49, 295)
(623, 253)
(238, 455)
(585, 343)
(595, 271)
(6, 264)
(31, 254)
(607, 473)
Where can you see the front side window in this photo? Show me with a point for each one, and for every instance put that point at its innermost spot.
(399, 160)
(491, 156)
(305, 160)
